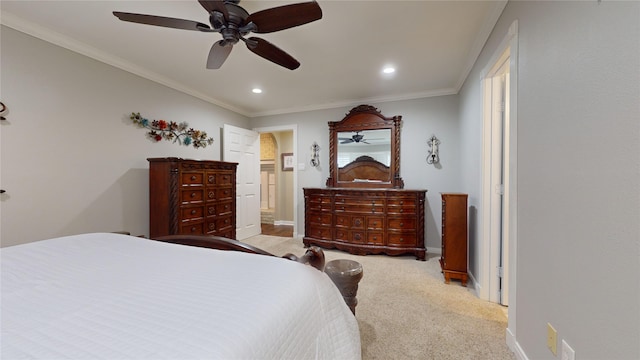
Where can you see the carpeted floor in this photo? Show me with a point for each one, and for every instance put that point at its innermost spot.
(406, 311)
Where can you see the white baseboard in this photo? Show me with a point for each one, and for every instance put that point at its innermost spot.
(474, 284)
(513, 345)
(283, 222)
(434, 250)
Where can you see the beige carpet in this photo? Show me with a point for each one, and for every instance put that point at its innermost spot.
(405, 311)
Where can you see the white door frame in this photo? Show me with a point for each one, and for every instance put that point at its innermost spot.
(294, 129)
(489, 261)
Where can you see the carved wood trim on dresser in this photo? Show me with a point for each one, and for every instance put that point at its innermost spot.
(192, 197)
(366, 221)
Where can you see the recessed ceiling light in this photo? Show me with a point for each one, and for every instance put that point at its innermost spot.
(389, 70)
(257, 90)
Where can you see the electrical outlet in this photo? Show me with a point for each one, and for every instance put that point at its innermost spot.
(552, 339)
(567, 352)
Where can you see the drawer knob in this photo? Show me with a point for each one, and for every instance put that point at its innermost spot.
(193, 194)
(212, 178)
(401, 210)
(193, 177)
(193, 212)
(193, 229)
(401, 224)
(401, 202)
(356, 236)
(375, 238)
(211, 194)
(401, 239)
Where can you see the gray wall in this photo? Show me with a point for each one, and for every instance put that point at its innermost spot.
(72, 161)
(578, 248)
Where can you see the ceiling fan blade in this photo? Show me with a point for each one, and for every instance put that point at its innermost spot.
(218, 54)
(271, 52)
(284, 17)
(161, 21)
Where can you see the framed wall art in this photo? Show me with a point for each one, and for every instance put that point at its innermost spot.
(287, 161)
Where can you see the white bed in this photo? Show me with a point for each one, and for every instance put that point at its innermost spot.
(111, 296)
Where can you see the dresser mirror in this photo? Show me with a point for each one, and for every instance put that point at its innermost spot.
(364, 150)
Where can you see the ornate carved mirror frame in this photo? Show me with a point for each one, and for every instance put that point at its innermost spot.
(363, 118)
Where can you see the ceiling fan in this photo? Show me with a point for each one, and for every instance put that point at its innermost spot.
(356, 138)
(234, 23)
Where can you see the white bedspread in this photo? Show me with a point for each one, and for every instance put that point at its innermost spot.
(110, 296)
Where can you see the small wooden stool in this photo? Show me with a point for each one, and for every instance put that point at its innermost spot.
(346, 274)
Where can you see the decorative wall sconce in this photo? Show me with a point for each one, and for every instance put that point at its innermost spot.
(434, 156)
(3, 111)
(315, 154)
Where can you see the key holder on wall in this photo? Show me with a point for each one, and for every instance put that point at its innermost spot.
(434, 155)
(315, 154)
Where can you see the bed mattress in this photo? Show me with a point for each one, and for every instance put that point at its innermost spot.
(111, 296)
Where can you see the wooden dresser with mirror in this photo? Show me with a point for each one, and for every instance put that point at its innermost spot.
(364, 208)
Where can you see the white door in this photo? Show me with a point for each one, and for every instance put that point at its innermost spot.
(243, 146)
(498, 91)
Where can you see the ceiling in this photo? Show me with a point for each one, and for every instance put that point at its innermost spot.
(432, 44)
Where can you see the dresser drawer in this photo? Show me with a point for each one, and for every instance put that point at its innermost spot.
(343, 220)
(190, 178)
(342, 235)
(319, 205)
(192, 228)
(319, 218)
(320, 232)
(224, 208)
(361, 208)
(357, 222)
(358, 237)
(191, 213)
(223, 222)
(402, 224)
(398, 201)
(191, 196)
(219, 179)
(375, 223)
(404, 209)
(224, 194)
(402, 239)
(376, 238)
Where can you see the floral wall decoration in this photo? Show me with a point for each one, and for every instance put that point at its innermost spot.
(172, 131)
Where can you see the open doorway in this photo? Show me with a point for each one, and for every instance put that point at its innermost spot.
(277, 178)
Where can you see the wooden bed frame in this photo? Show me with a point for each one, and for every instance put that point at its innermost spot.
(364, 168)
(314, 255)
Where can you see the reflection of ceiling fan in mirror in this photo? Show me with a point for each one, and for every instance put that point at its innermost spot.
(358, 138)
(234, 23)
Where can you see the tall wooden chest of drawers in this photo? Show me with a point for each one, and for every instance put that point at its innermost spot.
(192, 197)
(366, 221)
(454, 237)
